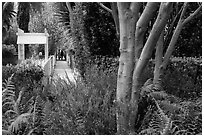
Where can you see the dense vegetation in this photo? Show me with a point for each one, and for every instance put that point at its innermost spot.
(89, 108)
(30, 106)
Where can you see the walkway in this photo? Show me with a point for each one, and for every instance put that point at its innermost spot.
(62, 70)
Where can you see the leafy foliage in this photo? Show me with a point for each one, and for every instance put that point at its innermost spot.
(93, 28)
(89, 108)
(190, 43)
(7, 14)
(82, 109)
(20, 117)
(165, 113)
(8, 54)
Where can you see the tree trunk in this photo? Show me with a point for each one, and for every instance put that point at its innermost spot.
(164, 11)
(158, 62)
(126, 64)
(23, 18)
(139, 38)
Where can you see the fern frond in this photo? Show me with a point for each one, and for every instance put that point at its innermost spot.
(8, 83)
(148, 82)
(158, 85)
(10, 111)
(159, 95)
(79, 121)
(17, 105)
(8, 94)
(8, 103)
(6, 132)
(17, 123)
(148, 131)
(170, 107)
(167, 128)
(39, 115)
(8, 99)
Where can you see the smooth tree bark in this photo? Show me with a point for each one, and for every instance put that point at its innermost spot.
(132, 27)
(158, 27)
(141, 26)
(128, 16)
(158, 61)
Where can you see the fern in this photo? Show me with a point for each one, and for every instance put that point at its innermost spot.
(38, 116)
(16, 125)
(159, 95)
(8, 97)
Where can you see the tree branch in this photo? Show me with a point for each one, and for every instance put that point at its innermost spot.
(115, 16)
(104, 7)
(192, 15)
(170, 29)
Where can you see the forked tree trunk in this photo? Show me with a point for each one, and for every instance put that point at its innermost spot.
(141, 27)
(164, 11)
(128, 81)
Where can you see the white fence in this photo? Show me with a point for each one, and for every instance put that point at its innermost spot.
(48, 66)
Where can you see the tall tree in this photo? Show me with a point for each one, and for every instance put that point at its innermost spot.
(7, 14)
(23, 17)
(135, 52)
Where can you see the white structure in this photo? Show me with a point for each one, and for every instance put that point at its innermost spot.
(31, 38)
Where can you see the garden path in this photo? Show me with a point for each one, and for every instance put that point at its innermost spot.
(62, 70)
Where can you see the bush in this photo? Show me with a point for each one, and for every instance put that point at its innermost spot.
(7, 71)
(93, 33)
(87, 108)
(27, 75)
(183, 77)
(9, 54)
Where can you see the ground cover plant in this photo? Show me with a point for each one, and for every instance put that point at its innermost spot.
(90, 108)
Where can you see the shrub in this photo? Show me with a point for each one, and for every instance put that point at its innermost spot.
(87, 108)
(9, 54)
(27, 75)
(93, 33)
(21, 117)
(183, 77)
(7, 71)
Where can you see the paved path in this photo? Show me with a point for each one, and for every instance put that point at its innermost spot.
(62, 70)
